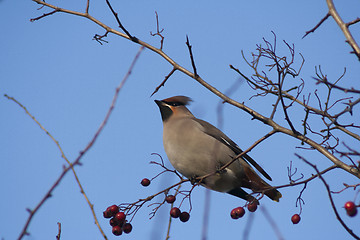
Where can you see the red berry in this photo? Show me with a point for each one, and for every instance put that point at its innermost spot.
(170, 198)
(120, 217)
(127, 227)
(116, 230)
(113, 209)
(113, 222)
(107, 214)
(175, 212)
(184, 216)
(295, 218)
(145, 182)
(352, 213)
(252, 206)
(350, 208)
(237, 212)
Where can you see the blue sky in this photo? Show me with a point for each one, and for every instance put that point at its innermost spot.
(67, 81)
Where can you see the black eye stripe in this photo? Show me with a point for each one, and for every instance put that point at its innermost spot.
(174, 104)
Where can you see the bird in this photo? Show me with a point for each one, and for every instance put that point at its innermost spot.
(196, 148)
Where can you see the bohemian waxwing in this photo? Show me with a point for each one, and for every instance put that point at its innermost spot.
(196, 148)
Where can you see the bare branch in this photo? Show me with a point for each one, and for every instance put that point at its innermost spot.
(132, 38)
(87, 6)
(44, 15)
(191, 57)
(100, 38)
(163, 82)
(66, 159)
(287, 118)
(201, 178)
(131, 209)
(353, 22)
(317, 25)
(344, 28)
(82, 153)
(158, 31)
(330, 198)
(59, 231)
(347, 186)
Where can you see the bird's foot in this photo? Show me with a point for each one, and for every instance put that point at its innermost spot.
(220, 170)
(194, 180)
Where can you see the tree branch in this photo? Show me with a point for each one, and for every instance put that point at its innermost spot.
(82, 153)
(132, 38)
(163, 82)
(330, 198)
(276, 127)
(317, 25)
(70, 165)
(344, 28)
(191, 57)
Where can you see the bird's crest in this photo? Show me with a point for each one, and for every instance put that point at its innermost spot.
(179, 100)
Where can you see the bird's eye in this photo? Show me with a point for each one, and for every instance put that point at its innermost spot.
(175, 104)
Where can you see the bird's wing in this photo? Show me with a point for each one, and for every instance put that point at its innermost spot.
(220, 136)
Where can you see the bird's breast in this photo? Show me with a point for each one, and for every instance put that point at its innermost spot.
(184, 145)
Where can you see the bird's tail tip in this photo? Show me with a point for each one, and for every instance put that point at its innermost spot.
(276, 197)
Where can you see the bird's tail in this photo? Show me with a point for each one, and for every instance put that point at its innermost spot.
(257, 184)
(273, 194)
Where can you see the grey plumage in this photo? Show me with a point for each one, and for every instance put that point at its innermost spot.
(196, 148)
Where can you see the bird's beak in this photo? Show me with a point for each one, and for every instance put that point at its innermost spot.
(165, 110)
(159, 103)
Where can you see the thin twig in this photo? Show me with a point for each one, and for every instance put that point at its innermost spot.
(81, 154)
(287, 118)
(59, 231)
(132, 38)
(304, 181)
(163, 82)
(226, 99)
(324, 80)
(200, 179)
(344, 28)
(347, 186)
(44, 15)
(170, 218)
(299, 199)
(158, 31)
(87, 6)
(65, 158)
(100, 38)
(330, 197)
(191, 57)
(317, 25)
(131, 209)
(353, 22)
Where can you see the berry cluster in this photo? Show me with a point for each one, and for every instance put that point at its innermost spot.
(351, 208)
(117, 221)
(175, 212)
(239, 212)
